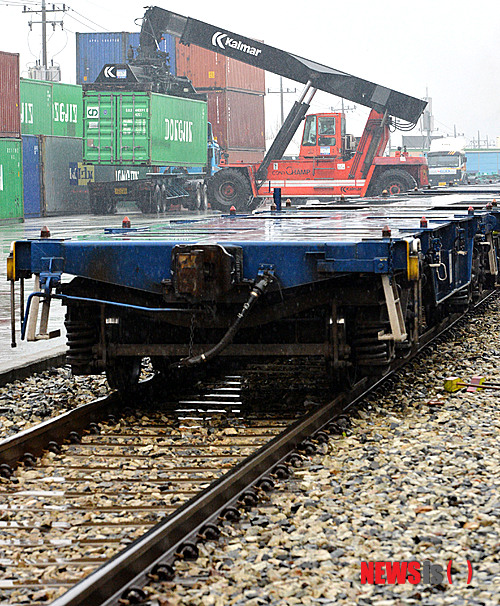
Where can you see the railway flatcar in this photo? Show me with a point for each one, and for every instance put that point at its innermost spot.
(358, 285)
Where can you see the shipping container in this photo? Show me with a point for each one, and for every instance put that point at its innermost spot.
(36, 107)
(67, 110)
(208, 69)
(64, 176)
(94, 50)
(31, 176)
(238, 119)
(11, 180)
(51, 108)
(144, 128)
(483, 161)
(10, 125)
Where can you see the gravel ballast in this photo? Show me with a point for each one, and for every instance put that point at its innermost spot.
(415, 478)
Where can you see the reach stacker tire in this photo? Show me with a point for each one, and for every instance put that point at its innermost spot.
(395, 182)
(227, 188)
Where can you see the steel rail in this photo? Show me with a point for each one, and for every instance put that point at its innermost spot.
(35, 440)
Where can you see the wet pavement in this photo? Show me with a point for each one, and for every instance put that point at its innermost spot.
(60, 227)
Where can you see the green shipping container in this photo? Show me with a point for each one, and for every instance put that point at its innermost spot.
(67, 110)
(51, 108)
(11, 180)
(144, 128)
(36, 104)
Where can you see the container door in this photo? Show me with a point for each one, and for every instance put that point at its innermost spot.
(31, 177)
(65, 178)
(99, 128)
(132, 132)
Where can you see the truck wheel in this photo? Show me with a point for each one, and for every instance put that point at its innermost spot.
(227, 188)
(394, 182)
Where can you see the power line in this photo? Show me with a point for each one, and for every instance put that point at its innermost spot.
(86, 19)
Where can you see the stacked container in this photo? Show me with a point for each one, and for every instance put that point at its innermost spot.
(55, 179)
(94, 50)
(235, 93)
(11, 181)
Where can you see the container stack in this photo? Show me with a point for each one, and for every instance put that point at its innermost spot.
(11, 180)
(93, 50)
(55, 179)
(235, 93)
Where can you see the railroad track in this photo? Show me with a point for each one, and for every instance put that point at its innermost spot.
(115, 477)
(175, 478)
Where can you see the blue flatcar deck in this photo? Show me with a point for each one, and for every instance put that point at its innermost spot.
(300, 244)
(346, 223)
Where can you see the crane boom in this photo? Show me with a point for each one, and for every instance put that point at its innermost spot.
(191, 31)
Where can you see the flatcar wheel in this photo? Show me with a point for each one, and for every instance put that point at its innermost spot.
(342, 378)
(123, 373)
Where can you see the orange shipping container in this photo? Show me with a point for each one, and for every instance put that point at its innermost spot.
(237, 119)
(207, 69)
(10, 116)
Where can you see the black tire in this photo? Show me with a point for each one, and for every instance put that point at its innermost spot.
(227, 188)
(394, 182)
(123, 373)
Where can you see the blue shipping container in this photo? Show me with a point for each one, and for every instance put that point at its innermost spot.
(94, 50)
(31, 176)
(483, 161)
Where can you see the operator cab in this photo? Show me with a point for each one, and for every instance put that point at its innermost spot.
(324, 136)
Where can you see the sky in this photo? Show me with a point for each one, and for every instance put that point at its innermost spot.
(447, 50)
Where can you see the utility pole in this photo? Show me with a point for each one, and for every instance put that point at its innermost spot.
(281, 92)
(61, 8)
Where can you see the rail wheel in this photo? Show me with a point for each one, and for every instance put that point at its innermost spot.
(395, 182)
(123, 373)
(227, 188)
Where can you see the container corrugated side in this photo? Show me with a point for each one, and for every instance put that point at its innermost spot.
(178, 131)
(64, 176)
(36, 107)
(137, 128)
(238, 119)
(94, 50)
(67, 110)
(208, 69)
(11, 179)
(10, 123)
(32, 177)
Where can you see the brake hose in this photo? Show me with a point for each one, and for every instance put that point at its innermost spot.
(259, 289)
